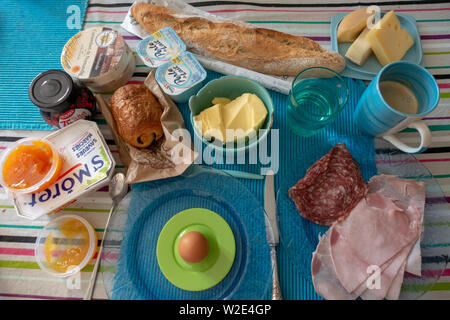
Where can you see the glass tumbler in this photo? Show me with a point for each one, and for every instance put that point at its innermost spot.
(317, 96)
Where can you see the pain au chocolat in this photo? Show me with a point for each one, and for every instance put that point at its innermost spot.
(137, 113)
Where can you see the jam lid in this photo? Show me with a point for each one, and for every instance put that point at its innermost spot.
(50, 88)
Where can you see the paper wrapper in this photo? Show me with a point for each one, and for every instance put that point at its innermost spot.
(165, 158)
(278, 83)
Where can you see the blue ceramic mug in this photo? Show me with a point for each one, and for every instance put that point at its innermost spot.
(376, 117)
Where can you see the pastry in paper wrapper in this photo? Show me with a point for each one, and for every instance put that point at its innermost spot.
(137, 114)
(164, 158)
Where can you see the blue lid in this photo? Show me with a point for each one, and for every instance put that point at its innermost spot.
(180, 74)
(160, 47)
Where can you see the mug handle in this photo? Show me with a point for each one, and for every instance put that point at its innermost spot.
(425, 138)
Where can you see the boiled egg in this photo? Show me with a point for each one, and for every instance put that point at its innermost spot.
(193, 247)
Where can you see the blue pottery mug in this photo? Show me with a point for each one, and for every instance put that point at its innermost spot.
(400, 95)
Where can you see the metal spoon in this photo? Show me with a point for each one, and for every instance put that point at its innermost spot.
(117, 190)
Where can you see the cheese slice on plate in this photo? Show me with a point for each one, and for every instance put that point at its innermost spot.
(352, 24)
(388, 40)
(360, 50)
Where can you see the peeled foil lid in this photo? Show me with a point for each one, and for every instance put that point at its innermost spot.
(93, 52)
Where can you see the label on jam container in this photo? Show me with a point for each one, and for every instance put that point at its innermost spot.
(88, 166)
(73, 115)
(180, 74)
(160, 47)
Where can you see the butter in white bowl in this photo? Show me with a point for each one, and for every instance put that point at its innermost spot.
(232, 120)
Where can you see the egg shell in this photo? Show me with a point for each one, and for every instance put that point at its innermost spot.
(193, 247)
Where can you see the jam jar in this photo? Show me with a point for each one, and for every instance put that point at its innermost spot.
(61, 100)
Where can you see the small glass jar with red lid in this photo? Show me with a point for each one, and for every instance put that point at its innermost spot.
(61, 100)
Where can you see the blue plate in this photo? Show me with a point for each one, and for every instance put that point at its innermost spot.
(129, 264)
(369, 70)
(299, 237)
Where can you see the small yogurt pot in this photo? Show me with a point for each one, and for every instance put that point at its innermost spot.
(181, 77)
(60, 241)
(160, 47)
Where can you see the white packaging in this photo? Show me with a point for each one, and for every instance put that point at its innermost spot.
(87, 166)
(100, 58)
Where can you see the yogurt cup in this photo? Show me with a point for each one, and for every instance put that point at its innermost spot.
(181, 77)
(88, 165)
(99, 58)
(160, 47)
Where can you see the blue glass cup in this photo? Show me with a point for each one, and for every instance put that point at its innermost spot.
(317, 96)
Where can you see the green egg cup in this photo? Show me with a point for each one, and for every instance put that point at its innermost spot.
(214, 267)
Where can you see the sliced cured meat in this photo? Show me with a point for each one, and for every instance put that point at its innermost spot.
(374, 233)
(382, 232)
(396, 285)
(406, 194)
(390, 279)
(325, 281)
(331, 187)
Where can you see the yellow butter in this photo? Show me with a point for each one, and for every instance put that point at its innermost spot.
(209, 123)
(352, 25)
(360, 50)
(220, 100)
(232, 120)
(388, 40)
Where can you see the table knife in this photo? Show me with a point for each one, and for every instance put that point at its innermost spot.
(272, 235)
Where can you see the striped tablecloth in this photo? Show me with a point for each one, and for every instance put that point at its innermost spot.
(20, 276)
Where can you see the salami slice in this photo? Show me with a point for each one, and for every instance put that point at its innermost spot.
(331, 187)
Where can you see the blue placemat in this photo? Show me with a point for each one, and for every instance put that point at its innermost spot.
(290, 149)
(32, 35)
(154, 203)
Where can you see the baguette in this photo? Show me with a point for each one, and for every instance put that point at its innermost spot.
(241, 44)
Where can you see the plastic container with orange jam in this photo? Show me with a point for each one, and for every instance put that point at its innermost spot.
(30, 165)
(65, 245)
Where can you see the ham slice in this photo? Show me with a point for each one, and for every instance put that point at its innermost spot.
(382, 231)
(325, 280)
(406, 194)
(391, 278)
(375, 231)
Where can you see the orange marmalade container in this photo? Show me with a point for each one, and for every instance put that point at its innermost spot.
(30, 165)
(65, 245)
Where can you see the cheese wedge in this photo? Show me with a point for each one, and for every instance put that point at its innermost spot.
(352, 25)
(360, 50)
(388, 40)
